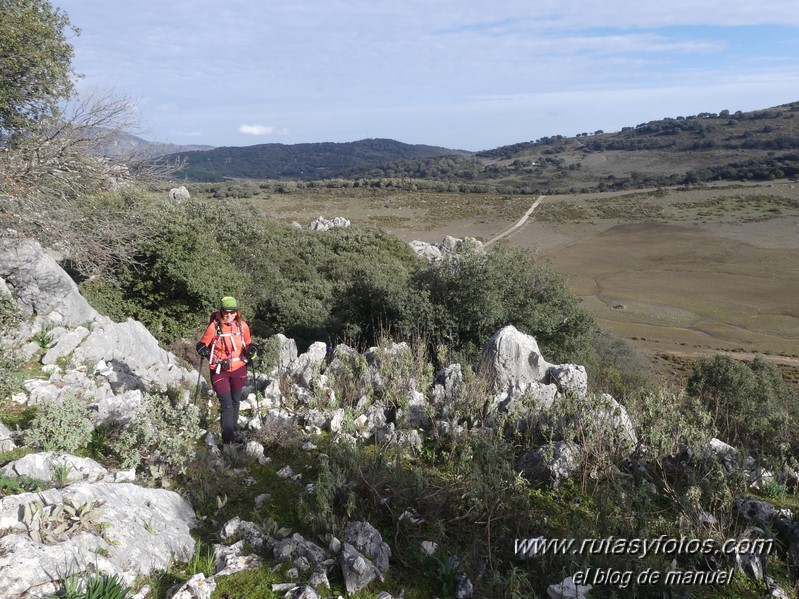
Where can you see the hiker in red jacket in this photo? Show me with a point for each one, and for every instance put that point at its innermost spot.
(227, 345)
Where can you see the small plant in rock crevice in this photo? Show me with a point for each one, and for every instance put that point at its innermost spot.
(93, 586)
(44, 337)
(56, 523)
(13, 485)
(61, 472)
(202, 562)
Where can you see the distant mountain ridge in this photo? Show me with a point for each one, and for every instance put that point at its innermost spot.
(755, 145)
(306, 161)
(126, 144)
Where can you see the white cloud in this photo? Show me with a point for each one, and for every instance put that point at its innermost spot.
(256, 130)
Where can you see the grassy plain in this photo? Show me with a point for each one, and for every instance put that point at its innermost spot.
(684, 272)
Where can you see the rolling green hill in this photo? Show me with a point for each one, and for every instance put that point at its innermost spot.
(756, 145)
(301, 161)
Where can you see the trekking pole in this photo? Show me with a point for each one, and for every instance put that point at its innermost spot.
(255, 389)
(199, 378)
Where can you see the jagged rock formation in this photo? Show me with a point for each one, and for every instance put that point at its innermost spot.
(514, 367)
(124, 357)
(42, 466)
(40, 286)
(445, 249)
(323, 224)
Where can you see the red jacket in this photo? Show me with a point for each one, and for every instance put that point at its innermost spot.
(227, 342)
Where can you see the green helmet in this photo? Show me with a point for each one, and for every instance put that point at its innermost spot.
(229, 303)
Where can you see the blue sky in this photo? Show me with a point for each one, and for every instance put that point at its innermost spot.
(462, 74)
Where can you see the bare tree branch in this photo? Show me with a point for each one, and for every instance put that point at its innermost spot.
(58, 182)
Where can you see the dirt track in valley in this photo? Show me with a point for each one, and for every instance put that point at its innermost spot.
(518, 224)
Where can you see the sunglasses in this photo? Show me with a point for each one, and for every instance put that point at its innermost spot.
(228, 312)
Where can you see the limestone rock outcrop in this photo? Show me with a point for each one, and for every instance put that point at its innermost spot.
(134, 531)
(179, 193)
(445, 249)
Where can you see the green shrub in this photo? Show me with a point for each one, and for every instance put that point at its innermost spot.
(617, 367)
(13, 485)
(60, 425)
(479, 293)
(269, 356)
(331, 502)
(673, 429)
(353, 284)
(378, 301)
(10, 380)
(752, 408)
(162, 436)
(668, 423)
(183, 255)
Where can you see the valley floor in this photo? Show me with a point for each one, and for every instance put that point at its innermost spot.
(683, 272)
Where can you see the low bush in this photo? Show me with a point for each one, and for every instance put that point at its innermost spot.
(597, 426)
(60, 425)
(162, 437)
(751, 406)
(479, 293)
(617, 367)
(10, 380)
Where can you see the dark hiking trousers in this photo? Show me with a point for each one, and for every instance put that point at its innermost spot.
(228, 385)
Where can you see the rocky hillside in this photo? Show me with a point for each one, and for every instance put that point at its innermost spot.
(122, 144)
(357, 472)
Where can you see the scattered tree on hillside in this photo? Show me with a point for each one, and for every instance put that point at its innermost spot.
(52, 141)
(35, 64)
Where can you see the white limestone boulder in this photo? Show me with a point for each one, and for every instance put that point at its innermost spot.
(138, 531)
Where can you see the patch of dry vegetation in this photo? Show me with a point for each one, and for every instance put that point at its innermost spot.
(398, 210)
